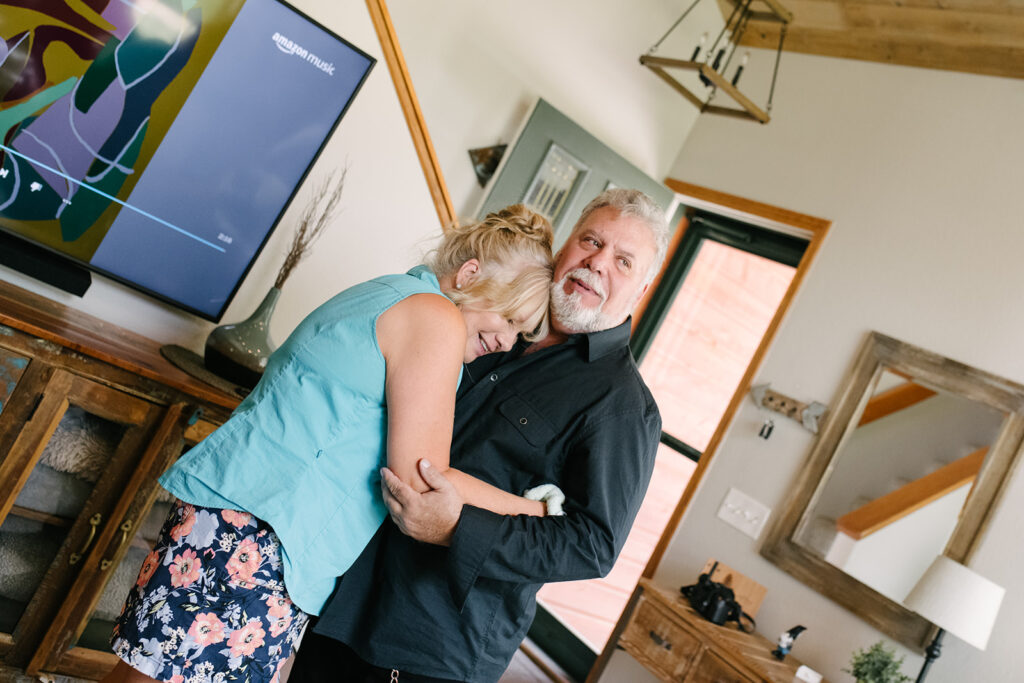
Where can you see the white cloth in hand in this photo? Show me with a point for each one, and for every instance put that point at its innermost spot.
(551, 496)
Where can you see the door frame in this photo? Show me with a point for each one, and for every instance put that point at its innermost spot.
(410, 104)
(763, 215)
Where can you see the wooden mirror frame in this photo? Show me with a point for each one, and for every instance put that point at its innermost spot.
(877, 354)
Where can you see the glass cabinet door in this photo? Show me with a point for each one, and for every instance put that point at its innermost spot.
(100, 622)
(90, 619)
(62, 477)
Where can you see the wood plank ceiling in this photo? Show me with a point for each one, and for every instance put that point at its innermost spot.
(972, 36)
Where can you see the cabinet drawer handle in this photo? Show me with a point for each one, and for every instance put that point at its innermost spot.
(125, 528)
(94, 522)
(660, 642)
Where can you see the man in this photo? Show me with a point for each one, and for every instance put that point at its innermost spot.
(452, 600)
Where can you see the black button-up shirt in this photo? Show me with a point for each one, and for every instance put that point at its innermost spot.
(577, 414)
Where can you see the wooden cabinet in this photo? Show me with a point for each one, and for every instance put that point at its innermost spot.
(675, 643)
(90, 416)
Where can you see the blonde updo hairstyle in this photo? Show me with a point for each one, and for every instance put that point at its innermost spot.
(513, 247)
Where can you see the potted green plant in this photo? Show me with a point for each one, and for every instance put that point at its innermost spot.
(877, 664)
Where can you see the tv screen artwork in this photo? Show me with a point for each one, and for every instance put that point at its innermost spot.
(159, 141)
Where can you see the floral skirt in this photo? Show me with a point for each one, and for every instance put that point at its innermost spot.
(210, 602)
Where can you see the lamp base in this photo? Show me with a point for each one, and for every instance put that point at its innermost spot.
(931, 653)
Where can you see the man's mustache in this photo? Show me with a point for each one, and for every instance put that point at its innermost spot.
(589, 279)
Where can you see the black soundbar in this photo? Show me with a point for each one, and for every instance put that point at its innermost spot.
(43, 265)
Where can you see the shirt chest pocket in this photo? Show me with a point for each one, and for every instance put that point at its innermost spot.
(527, 421)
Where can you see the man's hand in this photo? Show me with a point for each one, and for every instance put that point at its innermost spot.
(430, 516)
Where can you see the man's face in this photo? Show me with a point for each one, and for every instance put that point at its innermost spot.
(600, 272)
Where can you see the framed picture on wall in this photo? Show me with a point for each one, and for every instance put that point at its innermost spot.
(556, 167)
(557, 176)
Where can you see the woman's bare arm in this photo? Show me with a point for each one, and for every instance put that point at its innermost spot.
(423, 339)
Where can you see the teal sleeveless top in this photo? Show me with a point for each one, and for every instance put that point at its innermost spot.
(303, 451)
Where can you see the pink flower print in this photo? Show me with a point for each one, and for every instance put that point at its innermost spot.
(235, 518)
(185, 568)
(279, 605)
(177, 678)
(279, 625)
(245, 560)
(149, 566)
(277, 672)
(184, 527)
(207, 629)
(245, 640)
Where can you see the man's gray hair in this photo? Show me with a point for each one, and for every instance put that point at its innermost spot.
(638, 205)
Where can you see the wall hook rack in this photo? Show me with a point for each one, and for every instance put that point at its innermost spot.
(807, 414)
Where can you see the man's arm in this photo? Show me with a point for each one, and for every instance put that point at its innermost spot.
(605, 477)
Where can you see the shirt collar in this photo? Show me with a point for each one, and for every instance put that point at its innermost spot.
(424, 273)
(599, 344)
(594, 344)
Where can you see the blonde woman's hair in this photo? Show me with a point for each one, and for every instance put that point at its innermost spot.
(513, 247)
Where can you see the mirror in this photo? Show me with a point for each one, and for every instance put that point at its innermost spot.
(908, 465)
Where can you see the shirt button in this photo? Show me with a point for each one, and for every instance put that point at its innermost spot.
(494, 378)
(522, 420)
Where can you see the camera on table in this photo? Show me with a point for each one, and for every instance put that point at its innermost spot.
(714, 601)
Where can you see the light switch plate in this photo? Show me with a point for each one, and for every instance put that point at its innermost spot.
(744, 513)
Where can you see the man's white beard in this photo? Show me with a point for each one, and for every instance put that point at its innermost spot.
(568, 309)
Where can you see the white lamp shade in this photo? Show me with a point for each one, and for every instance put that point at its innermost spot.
(954, 598)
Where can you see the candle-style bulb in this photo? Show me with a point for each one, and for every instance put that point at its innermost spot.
(700, 44)
(718, 59)
(739, 69)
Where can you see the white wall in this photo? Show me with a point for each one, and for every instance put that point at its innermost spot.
(921, 172)
(478, 67)
(893, 558)
(386, 214)
(884, 454)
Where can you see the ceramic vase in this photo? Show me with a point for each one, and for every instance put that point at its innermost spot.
(239, 352)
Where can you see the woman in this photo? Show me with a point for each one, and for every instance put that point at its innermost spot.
(283, 497)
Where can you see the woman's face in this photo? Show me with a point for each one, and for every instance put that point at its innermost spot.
(488, 332)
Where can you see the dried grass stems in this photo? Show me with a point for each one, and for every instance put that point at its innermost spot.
(318, 214)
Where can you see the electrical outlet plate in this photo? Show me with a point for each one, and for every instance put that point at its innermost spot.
(742, 512)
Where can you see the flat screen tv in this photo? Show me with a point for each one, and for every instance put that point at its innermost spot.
(158, 142)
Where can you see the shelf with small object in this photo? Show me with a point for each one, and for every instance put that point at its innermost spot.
(675, 643)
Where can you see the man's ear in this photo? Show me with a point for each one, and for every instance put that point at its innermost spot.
(467, 273)
(640, 296)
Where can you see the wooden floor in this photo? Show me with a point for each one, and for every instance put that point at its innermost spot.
(523, 670)
(531, 665)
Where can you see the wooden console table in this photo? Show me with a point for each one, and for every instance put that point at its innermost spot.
(675, 643)
(75, 520)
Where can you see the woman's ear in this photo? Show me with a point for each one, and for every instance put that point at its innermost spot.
(467, 273)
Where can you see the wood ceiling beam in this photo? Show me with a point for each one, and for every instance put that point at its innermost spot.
(996, 6)
(944, 23)
(986, 37)
(904, 51)
(893, 401)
